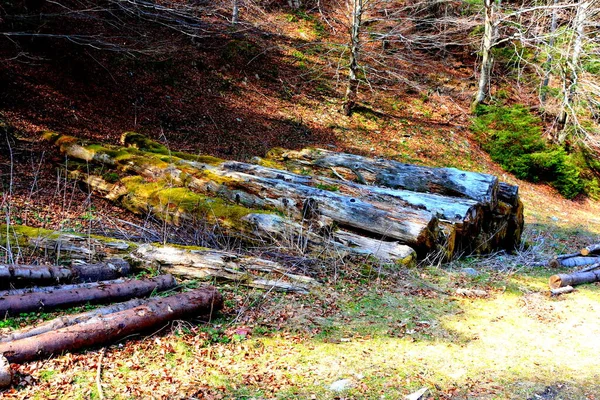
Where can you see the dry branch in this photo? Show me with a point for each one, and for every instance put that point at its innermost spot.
(15, 304)
(108, 328)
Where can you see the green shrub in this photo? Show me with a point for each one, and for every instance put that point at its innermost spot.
(513, 138)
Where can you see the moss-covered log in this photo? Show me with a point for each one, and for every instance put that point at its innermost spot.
(195, 184)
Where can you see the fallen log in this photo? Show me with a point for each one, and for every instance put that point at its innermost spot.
(208, 264)
(561, 290)
(574, 279)
(593, 249)
(15, 304)
(446, 181)
(44, 274)
(75, 246)
(108, 328)
(572, 261)
(336, 243)
(68, 320)
(47, 289)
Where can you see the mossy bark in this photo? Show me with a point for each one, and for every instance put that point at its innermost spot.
(178, 189)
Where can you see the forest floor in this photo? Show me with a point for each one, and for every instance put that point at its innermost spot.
(374, 331)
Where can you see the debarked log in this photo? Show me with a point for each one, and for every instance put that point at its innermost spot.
(446, 181)
(45, 274)
(336, 243)
(207, 264)
(108, 328)
(15, 304)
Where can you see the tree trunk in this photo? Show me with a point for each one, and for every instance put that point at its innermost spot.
(68, 320)
(486, 53)
(108, 328)
(42, 274)
(355, 28)
(210, 264)
(548, 64)
(573, 65)
(13, 305)
(235, 13)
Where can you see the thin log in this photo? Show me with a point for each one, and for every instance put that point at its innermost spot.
(77, 246)
(208, 264)
(44, 274)
(47, 289)
(68, 320)
(108, 328)
(12, 305)
(591, 249)
(561, 290)
(575, 261)
(446, 181)
(574, 279)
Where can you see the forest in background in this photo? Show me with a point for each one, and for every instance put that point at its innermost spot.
(528, 71)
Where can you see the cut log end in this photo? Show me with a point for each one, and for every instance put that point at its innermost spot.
(5, 372)
(555, 281)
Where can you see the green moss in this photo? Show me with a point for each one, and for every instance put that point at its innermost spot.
(513, 138)
(173, 204)
(137, 140)
(204, 159)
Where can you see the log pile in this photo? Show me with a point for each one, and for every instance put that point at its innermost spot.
(92, 328)
(588, 258)
(392, 211)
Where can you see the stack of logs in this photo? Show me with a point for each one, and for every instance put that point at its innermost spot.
(317, 200)
(86, 283)
(588, 258)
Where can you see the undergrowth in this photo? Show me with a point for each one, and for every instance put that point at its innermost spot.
(512, 136)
